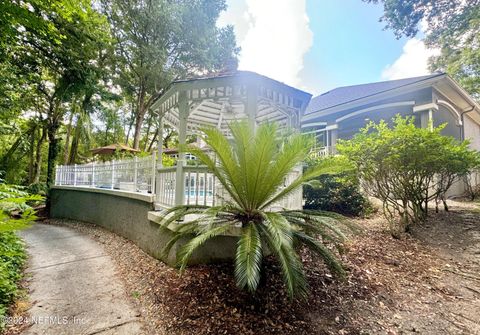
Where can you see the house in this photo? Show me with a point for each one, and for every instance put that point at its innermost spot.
(341, 112)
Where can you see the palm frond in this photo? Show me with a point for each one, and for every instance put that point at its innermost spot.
(187, 250)
(292, 268)
(248, 258)
(327, 166)
(290, 154)
(182, 231)
(316, 223)
(333, 264)
(223, 175)
(279, 228)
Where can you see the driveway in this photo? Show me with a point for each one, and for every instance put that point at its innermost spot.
(73, 286)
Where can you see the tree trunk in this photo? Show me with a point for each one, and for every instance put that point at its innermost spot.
(67, 139)
(52, 129)
(139, 117)
(75, 142)
(38, 156)
(12, 150)
(130, 125)
(31, 154)
(138, 130)
(153, 140)
(52, 152)
(147, 134)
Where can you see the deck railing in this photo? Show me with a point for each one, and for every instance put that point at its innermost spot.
(133, 175)
(201, 187)
(322, 151)
(198, 187)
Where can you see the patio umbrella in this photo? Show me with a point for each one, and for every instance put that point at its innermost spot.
(112, 148)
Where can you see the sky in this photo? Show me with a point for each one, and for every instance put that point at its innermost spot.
(318, 45)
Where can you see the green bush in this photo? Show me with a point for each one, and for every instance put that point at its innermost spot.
(16, 212)
(406, 167)
(336, 193)
(12, 259)
(38, 188)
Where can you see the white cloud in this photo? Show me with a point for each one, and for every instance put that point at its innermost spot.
(274, 36)
(412, 62)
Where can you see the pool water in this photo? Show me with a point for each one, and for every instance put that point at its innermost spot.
(201, 193)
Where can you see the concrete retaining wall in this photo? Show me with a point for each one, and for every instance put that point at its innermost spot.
(126, 214)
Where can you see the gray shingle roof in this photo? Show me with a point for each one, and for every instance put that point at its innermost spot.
(342, 95)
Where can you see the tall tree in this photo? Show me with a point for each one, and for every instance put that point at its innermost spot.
(453, 26)
(160, 40)
(66, 65)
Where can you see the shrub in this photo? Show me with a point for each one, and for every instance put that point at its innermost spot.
(472, 183)
(16, 209)
(38, 188)
(406, 167)
(15, 212)
(338, 193)
(12, 259)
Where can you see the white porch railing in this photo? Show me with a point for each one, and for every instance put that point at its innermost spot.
(133, 175)
(322, 151)
(200, 186)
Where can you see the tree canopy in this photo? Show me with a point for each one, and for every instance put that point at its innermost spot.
(160, 41)
(79, 74)
(453, 26)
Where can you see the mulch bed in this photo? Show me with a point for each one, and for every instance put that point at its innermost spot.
(383, 272)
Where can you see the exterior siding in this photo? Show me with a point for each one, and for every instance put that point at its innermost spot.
(350, 126)
(472, 132)
(420, 97)
(444, 116)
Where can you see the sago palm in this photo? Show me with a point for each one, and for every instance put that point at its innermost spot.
(252, 166)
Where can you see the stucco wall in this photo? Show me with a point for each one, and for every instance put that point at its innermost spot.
(348, 128)
(444, 116)
(128, 217)
(472, 132)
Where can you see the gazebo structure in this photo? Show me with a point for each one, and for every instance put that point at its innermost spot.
(189, 105)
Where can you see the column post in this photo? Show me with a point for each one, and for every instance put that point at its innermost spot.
(425, 113)
(154, 173)
(252, 105)
(182, 138)
(135, 174)
(93, 174)
(112, 165)
(426, 118)
(158, 163)
(75, 175)
(160, 142)
(333, 140)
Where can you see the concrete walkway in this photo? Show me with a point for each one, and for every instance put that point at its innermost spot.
(73, 286)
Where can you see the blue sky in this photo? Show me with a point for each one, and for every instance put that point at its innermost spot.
(318, 45)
